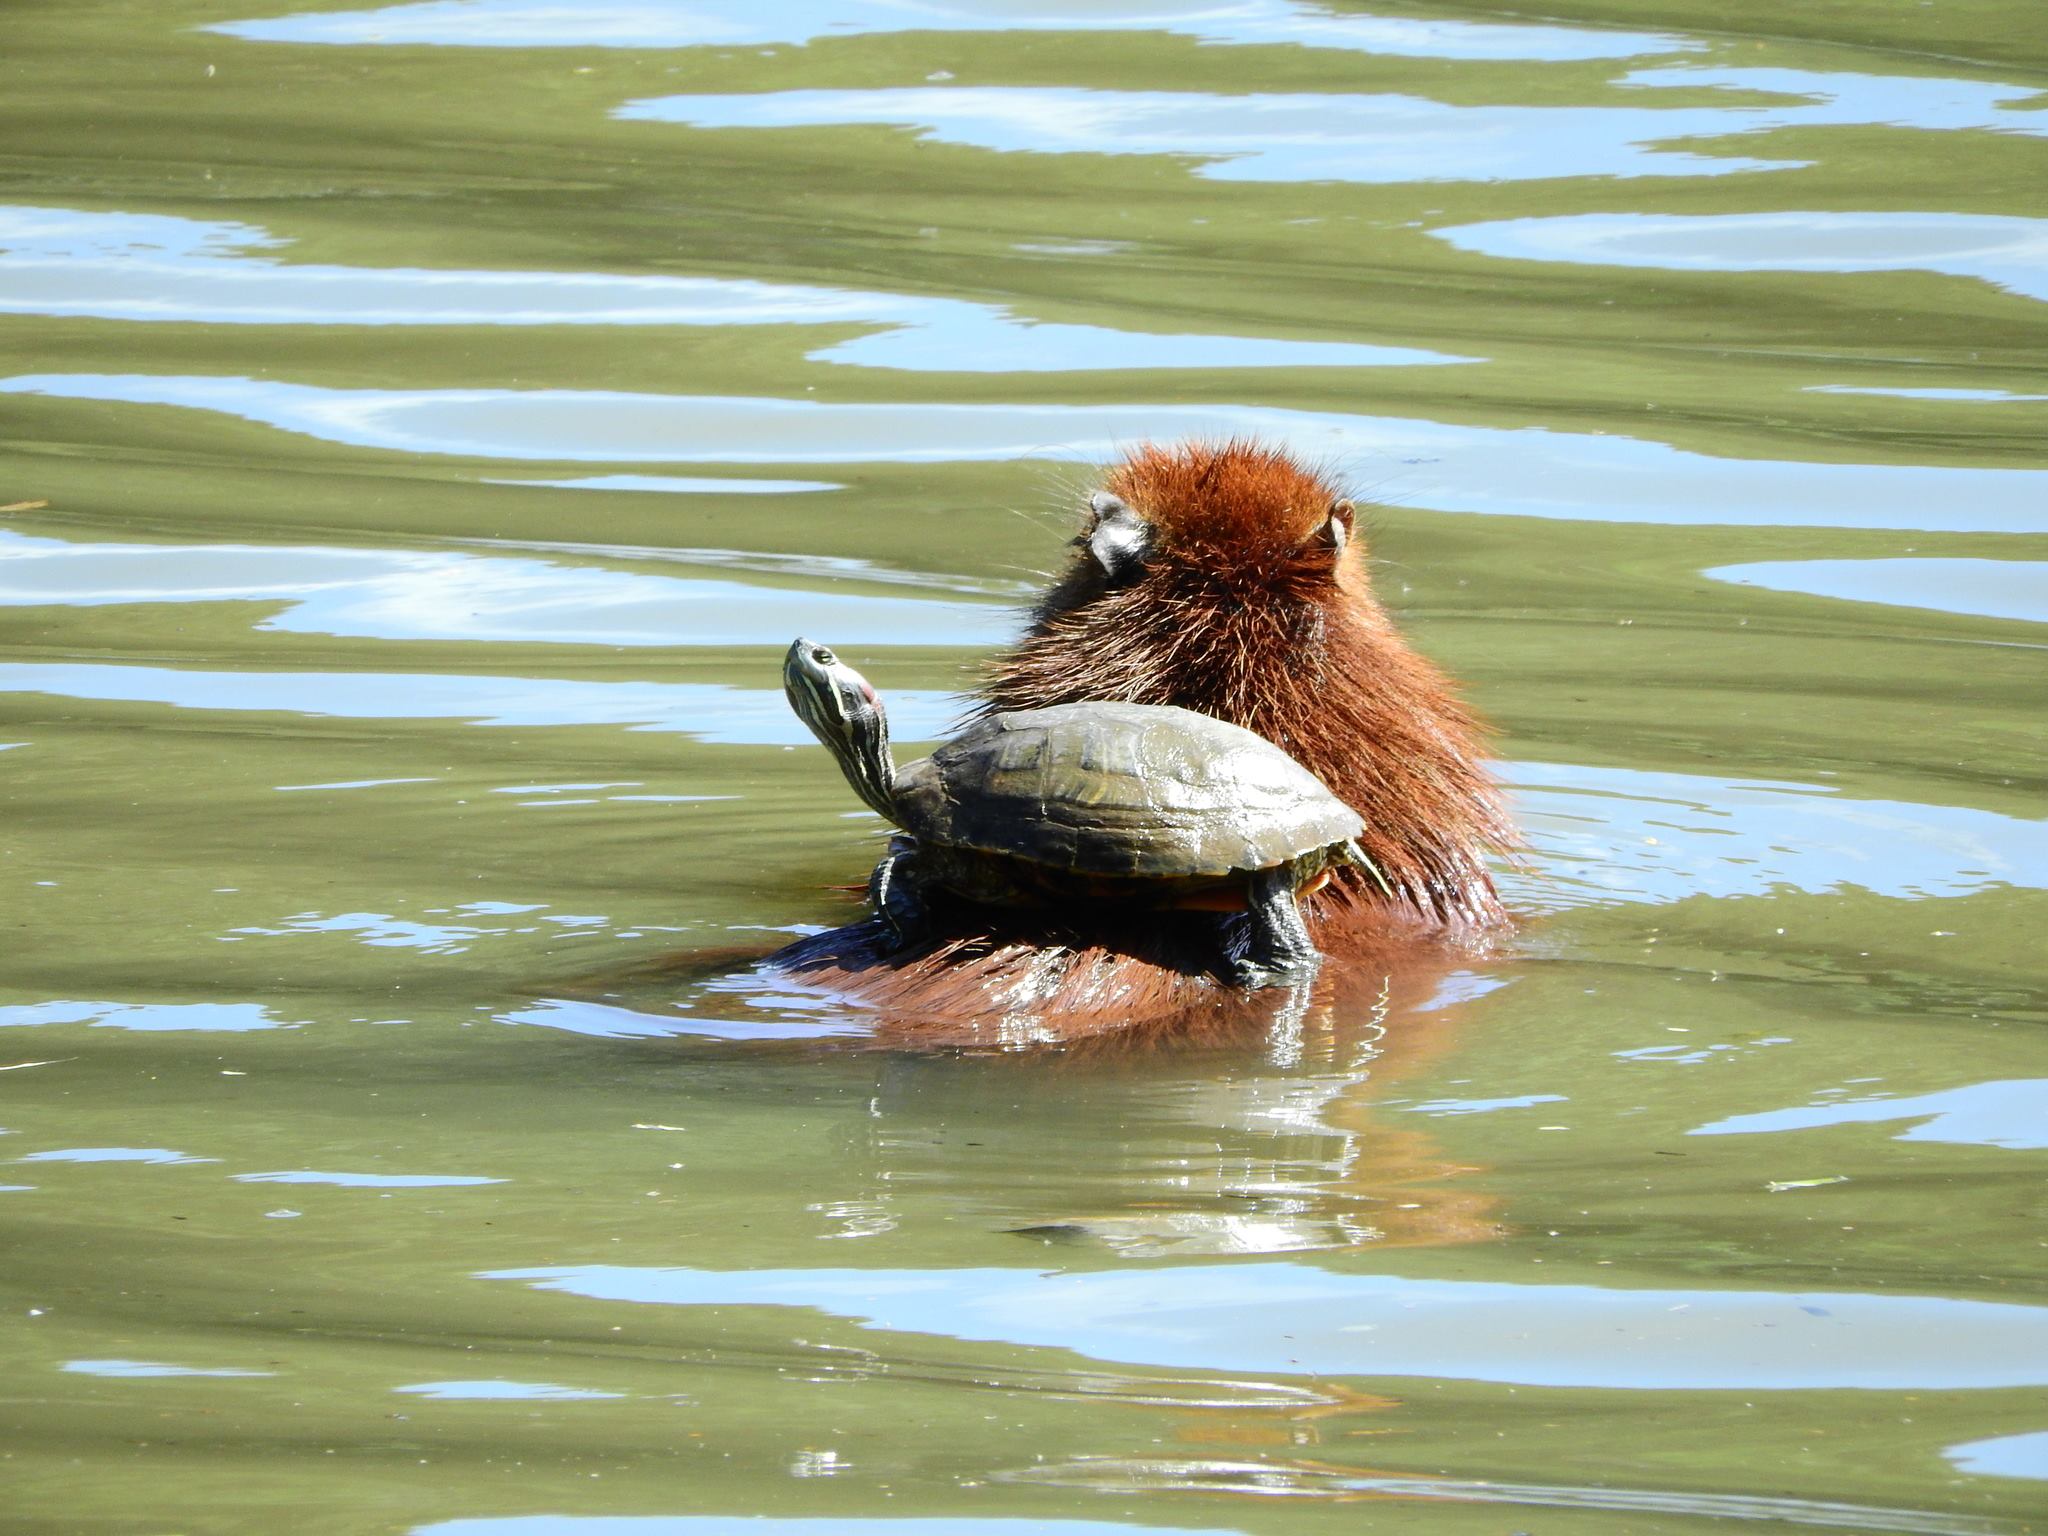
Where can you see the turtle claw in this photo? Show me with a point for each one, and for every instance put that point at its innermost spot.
(1253, 974)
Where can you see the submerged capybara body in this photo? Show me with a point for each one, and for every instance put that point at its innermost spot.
(1230, 579)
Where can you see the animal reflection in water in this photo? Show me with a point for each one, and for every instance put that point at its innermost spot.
(1256, 1121)
(1227, 579)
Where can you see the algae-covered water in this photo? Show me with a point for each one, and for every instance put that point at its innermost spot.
(421, 428)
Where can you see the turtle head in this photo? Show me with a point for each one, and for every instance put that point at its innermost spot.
(842, 710)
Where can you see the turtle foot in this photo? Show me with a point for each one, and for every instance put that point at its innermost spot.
(1252, 973)
(892, 891)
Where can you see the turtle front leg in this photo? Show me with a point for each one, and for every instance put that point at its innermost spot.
(893, 893)
(1280, 954)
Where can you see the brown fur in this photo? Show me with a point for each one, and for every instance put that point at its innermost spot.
(1242, 613)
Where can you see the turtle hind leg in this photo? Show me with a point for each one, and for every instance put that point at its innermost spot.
(893, 893)
(1280, 954)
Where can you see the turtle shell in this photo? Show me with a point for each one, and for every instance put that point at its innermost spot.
(1121, 789)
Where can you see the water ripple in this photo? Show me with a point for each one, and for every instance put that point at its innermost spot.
(2011, 1113)
(387, 594)
(1525, 472)
(1304, 136)
(1992, 589)
(734, 23)
(1293, 1320)
(154, 267)
(1287, 1480)
(2009, 253)
(710, 712)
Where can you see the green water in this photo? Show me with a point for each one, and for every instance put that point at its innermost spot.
(399, 1135)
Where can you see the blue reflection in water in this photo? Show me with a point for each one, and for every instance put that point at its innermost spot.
(1993, 396)
(2011, 1113)
(1291, 137)
(1600, 835)
(709, 711)
(1608, 835)
(771, 1525)
(2006, 1456)
(124, 266)
(1292, 1479)
(1992, 589)
(1528, 472)
(1291, 1319)
(1845, 98)
(367, 1180)
(2009, 253)
(228, 1017)
(388, 594)
(730, 23)
(682, 485)
(1440, 1107)
(114, 1155)
(503, 1391)
(149, 1368)
(1301, 136)
(828, 1018)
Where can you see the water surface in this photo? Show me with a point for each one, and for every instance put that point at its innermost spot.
(424, 426)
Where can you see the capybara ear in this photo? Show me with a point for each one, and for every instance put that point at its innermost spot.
(1336, 530)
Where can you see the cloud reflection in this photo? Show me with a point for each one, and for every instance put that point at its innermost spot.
(1525, 472)
(736, 23)
(145, 267)
(1293, 1320)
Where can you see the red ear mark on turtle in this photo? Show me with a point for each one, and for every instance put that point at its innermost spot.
(1335, 532)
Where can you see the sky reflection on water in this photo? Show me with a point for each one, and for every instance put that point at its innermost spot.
(489, 1391)
(154, 267)
(2009, 253)
(1292, 1319)
(388, 594)
(771, 1525)
(1606, 835)
(1526, 472)
(2006, 1456)
(2011, 1113)
(735, 23)
(1992, 589)
(711, 712)
(1599, 835)
(231, 1018)
(1383, 138)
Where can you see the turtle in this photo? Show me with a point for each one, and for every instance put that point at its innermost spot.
(1107, 804)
